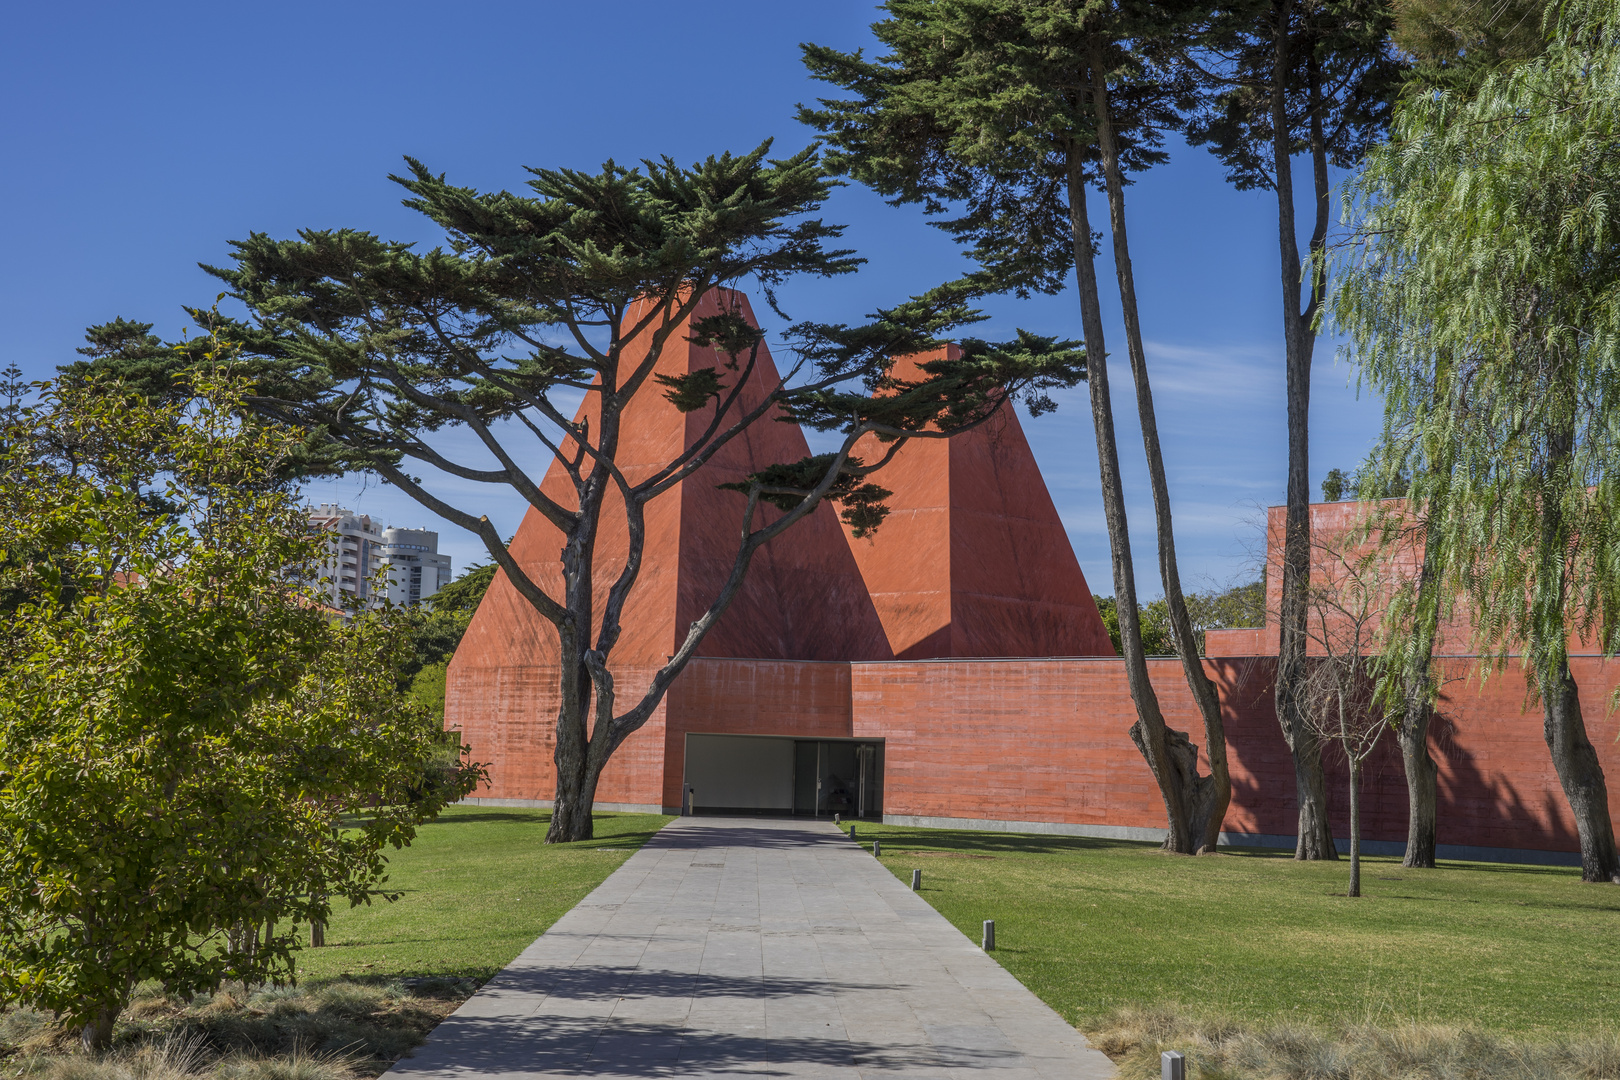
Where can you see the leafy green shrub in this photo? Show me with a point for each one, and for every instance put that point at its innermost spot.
(196, 755)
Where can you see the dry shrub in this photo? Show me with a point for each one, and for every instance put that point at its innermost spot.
(174, 1058)
(295, 1066)
(1219, 1049)
(338, 1030)
(26, 1030)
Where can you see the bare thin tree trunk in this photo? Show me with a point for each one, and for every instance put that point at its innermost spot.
(1355, 827)
(1207, 797)
(1149, 732)
(1315, 836)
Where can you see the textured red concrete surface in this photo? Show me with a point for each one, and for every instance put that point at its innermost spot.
(1337, 531)
(1047, 741)
(507, 716)
(973, 559)
(753, 697)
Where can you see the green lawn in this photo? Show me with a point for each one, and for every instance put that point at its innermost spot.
(1094, 925)
(476, 887)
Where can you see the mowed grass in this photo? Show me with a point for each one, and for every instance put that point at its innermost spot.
(1254, 937)
(475, 888)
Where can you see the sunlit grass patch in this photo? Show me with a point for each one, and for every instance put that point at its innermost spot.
(1256, 938)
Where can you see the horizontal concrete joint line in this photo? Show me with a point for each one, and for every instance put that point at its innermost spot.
(546, 804)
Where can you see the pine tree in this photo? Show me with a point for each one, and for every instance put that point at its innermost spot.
(1007, 111)
(1280, 78)
(577, 287)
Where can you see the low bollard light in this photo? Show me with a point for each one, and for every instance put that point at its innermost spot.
(852, 831)
(989, 943)
(1172, 1066)
(916, 881)
(876, 850)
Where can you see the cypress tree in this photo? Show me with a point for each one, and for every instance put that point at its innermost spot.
(1280, 78)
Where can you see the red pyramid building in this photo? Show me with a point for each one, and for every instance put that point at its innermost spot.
(803, 599)
(973, 559)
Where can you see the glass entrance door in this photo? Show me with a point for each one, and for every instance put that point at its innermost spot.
(838, 777)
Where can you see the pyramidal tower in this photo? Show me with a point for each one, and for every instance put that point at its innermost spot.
(973, 560)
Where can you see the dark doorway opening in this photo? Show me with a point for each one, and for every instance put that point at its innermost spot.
(842, 777)
(780, 775)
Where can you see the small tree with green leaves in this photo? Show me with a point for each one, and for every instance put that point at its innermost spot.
(196, 756)
(1484, 302)
(577, 287)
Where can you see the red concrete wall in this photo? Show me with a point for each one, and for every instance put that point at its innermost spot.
(753, 697)
(1334, 538)
(1047, 741)
(1497, 785)
(507, 715)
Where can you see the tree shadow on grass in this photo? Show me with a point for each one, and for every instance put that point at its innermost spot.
(539, 820)
(900, 841)
(535, 818)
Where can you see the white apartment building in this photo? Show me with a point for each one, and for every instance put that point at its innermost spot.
(359, 547)
(416, 570)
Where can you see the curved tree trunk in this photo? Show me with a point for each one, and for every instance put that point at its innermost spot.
(1573, 756)
(1207, 797)
(1315, 836)
(1421, 776)
(1149, 732)
(1581, 775)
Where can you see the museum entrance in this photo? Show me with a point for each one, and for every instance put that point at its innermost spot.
(782, 776)
(840, 777)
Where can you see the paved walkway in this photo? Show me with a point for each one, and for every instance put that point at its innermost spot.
(729, 947)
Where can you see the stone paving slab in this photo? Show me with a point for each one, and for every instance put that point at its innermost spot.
(732, 947)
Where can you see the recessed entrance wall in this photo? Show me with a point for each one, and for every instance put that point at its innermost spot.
(764, 774)
(740, 773)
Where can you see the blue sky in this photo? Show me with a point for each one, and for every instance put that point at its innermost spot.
(141, 138)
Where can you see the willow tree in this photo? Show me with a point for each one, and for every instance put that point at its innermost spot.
(1007, 111)
(1484, 301)
(577, 287)
(1283, 78)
